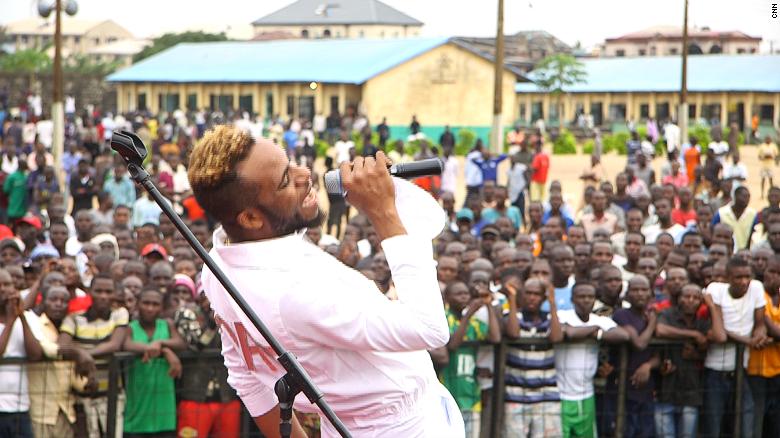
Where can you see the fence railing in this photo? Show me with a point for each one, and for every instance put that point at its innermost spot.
(118, 362)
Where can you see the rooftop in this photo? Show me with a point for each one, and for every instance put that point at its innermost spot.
(675, 32)
(314, 12)
(41, 26)
(709, 73)
(349, 61)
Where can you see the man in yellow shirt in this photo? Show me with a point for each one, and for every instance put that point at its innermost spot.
(763, 371)
(767, 155)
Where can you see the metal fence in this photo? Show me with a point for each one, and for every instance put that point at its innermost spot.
(118, 364)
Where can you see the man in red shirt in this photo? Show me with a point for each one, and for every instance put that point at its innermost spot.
(539, 168)
(684, 214)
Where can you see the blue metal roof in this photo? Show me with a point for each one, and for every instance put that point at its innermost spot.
(349, 61)
(706, 73)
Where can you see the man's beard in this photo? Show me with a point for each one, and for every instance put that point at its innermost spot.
(284, 226)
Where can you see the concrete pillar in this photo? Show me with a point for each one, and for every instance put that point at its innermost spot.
(528, 103)
(748, 115)
(630, 114)
(651, 105)
(776, 112)
(546, 107)
(256, 99)
(724, 110)
(607, 103)
(121, 105)
(236, 93)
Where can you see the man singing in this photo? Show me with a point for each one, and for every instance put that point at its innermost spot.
(367, 354)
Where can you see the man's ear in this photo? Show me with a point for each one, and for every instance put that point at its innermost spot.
(251, 219)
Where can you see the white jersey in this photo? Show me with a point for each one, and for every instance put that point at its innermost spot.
(366, 354)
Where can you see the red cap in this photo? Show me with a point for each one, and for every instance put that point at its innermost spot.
(154, 247)
(5, 232)
(31, 220)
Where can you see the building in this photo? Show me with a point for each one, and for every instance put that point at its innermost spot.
(438, 79)
(523, 49)
(121, 51)
(667, 40)
(342, 19)
(78, 36)
(721, 88)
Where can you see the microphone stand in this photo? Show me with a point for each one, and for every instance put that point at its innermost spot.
(133, 151)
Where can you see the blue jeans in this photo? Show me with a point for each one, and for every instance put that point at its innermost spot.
(766, 398)
(675, 421)
(719, 391)
(15, 425)
(639, 419)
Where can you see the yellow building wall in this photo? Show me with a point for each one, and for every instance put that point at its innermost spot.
(447, 85)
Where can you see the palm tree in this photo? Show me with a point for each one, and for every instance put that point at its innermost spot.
(28, 61)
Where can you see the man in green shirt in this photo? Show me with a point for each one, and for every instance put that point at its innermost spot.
(15, 187)
(459, 375)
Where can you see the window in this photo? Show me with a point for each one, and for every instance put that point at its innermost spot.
(766, 113)
(691, 111)
(740, 51)
(245, 103)
(617, 112)
(711, 112)
(716, 49)
(222, 102)
(361, 34)
(521, 113)
(597, 111)
(642, 52)
(662, 111)
(269, 104)
(620, 52)
(192, 102)
(24, 39)
(644, 111)
(673, 51)
(141, 102)
(304, 33)
(537, 111)
(97, 41)
(111, 39)
(326, 33)
(652, 51)
(77, 39)
(334, 104)
(291, 105)
(168, 102)
(753, 50)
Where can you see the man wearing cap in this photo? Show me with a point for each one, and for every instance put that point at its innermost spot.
(490, 235)
(464, 219)
(28, 228)
(10, 252)
(153, 253)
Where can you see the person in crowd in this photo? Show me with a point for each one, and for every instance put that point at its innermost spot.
(599, 218)
(156, 340)
(501, 209)
(83, 188)
(18, 339)
(540, 166)
(740, 303)
(99, 331)
(739, 216)
(532, 405)
(575, 384)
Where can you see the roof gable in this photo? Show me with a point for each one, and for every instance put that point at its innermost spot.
(318, 12)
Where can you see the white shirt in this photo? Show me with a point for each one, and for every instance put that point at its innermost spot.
(108, 127)
(342, 150)
(735, 171)
(737, 318)
(720, 149)
(320, 123)
(652, 232)
(10, 164)
(45, 129)
(14, 394)
(73, 246)
(672, 136)
(449, 176)
(576, 363)
(367, 354)
(473, 172)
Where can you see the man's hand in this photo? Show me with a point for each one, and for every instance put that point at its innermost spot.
(174, 363)
(13, 306)
(85, 365)
(152, 351)
(641, 375)
(473, 306)
(370, 189)
(605, 369)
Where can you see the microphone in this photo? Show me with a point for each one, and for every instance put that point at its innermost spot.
(414, 169)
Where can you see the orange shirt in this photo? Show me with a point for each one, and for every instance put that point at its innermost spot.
(766, 362)
(692, 157)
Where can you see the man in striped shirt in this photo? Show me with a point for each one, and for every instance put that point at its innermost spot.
(532, 407)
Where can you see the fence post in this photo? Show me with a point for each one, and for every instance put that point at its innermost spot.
(620, 417)
(738, 396)
(499, 374)
(113, 390)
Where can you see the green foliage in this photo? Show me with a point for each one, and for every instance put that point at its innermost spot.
(557, 72)
(616, 142)
(169, 40)
(28, 61)
(702, 134)
(588, 147)
(465, 141)
(321, 147)
(660, 148)
(565, 143)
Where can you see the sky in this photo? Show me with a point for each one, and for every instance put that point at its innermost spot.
(588, 22)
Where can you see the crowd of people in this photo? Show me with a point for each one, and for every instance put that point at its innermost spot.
(93, 267)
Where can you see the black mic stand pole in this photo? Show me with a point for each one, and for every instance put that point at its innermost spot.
(133, 151)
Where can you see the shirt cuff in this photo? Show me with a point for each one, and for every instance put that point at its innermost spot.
(405, 249)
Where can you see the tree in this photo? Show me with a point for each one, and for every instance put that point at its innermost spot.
(169, 40)
(84, 65)
(26, 62)
(557, 72)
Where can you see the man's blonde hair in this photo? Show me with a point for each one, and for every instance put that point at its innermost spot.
(213, 175)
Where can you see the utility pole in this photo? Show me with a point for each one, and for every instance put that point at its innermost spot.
(497, 133)
(683, 112)
(57, 107)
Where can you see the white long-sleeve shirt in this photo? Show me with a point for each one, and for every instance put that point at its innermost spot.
(367, 354)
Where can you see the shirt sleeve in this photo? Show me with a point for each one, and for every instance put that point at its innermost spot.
(352, 314)
(120, 317)
(605, 323)
(257, 397)
(68, 326)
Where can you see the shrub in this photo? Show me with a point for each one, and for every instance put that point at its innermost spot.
(588, 147)
(465, 141)
(660, 148)
(702, 134)
(565, 143)
(616, 142)
(321, 147)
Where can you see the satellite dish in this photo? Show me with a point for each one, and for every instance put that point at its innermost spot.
(45, 8)
(71, 7)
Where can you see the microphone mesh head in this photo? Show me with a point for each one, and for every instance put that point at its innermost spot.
(333, 183)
